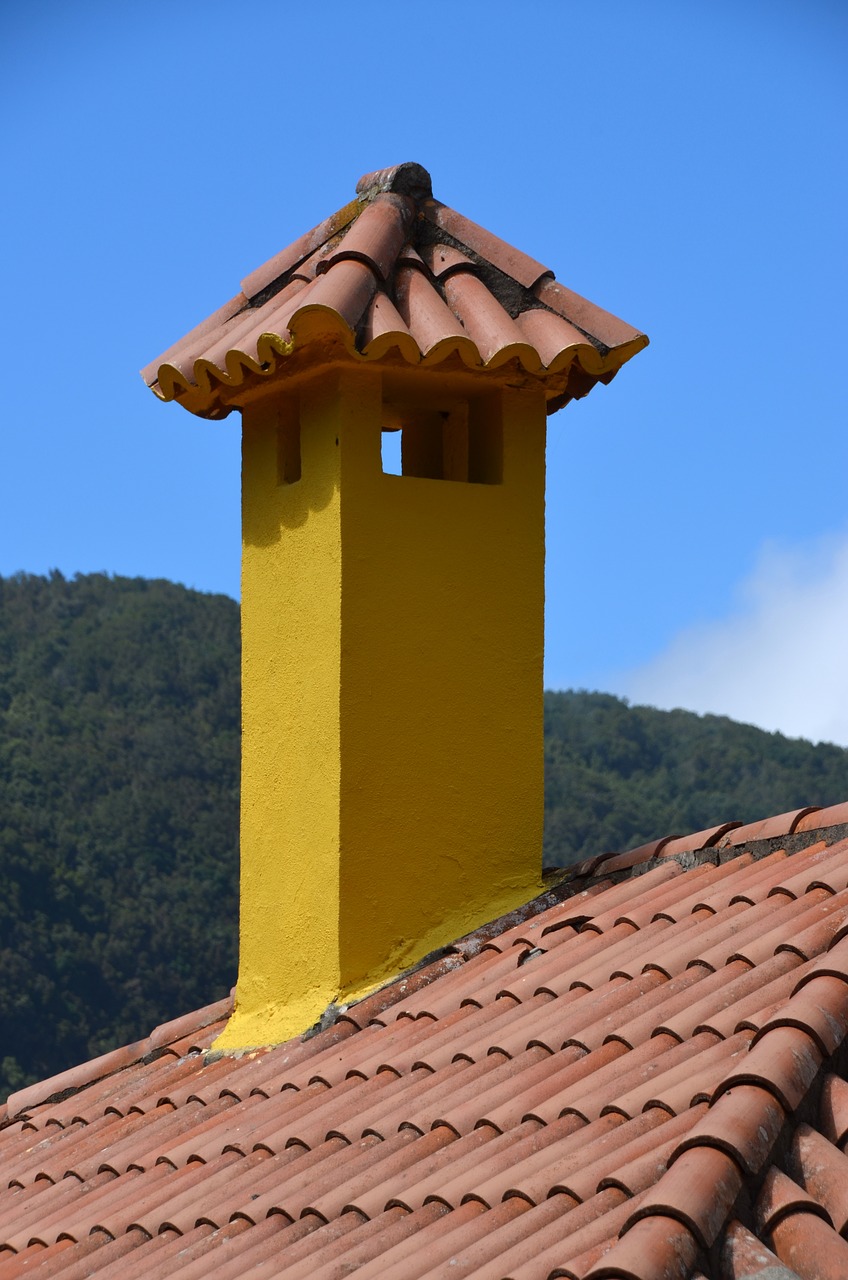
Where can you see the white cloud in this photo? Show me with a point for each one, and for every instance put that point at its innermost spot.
(780, 660)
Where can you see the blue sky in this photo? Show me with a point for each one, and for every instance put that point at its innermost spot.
(683, 165)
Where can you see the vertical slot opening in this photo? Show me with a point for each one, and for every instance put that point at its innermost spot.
(391, 451)
(485, 443)
(288, 449)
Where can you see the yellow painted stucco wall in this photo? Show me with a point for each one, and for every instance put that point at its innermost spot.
(392, 789)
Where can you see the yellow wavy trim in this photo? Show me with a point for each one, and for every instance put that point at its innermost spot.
(312, 322)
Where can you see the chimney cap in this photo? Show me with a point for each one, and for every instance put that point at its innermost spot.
(369, 283)
(409, 179)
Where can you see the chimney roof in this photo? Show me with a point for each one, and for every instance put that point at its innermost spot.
(396, 275)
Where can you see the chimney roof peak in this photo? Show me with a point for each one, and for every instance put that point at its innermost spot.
(408, 179)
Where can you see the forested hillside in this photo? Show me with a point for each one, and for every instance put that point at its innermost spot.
(119, 725)
(119, 744)
(617, 776)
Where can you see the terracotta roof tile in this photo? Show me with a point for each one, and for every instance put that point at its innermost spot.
(833, 1110)
(259, 1247)
(698, 1190)
(744, 1123)
(588, 1023)
(512, 262)
(757, 878)
(515, 1244)
(784, 1063)
(502, 1094)
(673, 1088)
(783, 824)
(664, 902)
(612, 896)
(818, 1009)
(661, 1242)
(816, 916)
(835, 815)
(698, 840)
(744, 1257)
(599, 1120)
(454, 1177)
(371, 1240)
(430, 1245)
(585, 1235)
(750, 1000)
(297, 252)
(827, 870)
(610, 863)
(821, 1169)
(780, 1197)
(651, 1134)
(639, 1022)
(800, 1237)
(397, 271)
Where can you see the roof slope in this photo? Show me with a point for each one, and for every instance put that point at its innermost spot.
(643, 1076)
(397, 275)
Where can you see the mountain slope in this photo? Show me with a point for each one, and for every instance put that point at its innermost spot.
(119, 744)
(617, 776)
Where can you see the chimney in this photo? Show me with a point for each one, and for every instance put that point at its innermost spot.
(392, 616)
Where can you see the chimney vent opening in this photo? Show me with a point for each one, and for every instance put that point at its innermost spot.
(460, 441)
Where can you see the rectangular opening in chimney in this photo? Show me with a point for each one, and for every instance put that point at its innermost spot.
(391, 451)
(456, 440)
(288, 448)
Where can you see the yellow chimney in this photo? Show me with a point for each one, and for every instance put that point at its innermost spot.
(391, 623)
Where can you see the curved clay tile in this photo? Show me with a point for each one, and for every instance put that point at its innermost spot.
(428, 317)
(512, 262)
(744, 1257)
(376, 237)
(442, 259)
(821, 1169)
(294, 254)
(345, 288)
(833, 1110)
(610, 863)
(779, 1198)
(383, 328)
(827, 869)
(833, 963)
(782, 824)
(679, 1194)
(784, 1062)
(557, 341)
(699, 839)
(744, 1124)
(194, 340)
(662, 1242)
(607, 330)
(818, 1008)
(835, 814)
(490, 327)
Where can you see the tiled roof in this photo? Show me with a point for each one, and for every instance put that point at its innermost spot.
(641, 1075)
(397, 276)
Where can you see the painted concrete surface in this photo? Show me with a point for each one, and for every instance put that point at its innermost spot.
(392, 677)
